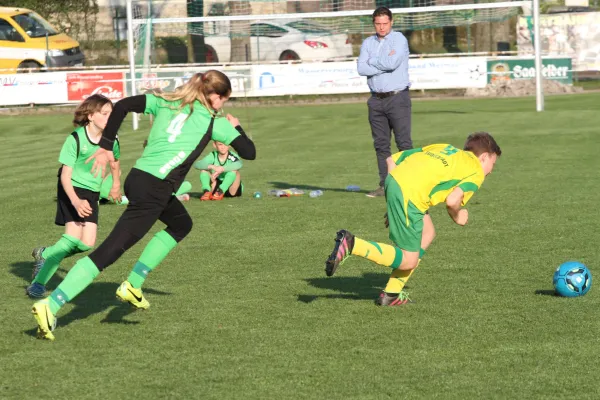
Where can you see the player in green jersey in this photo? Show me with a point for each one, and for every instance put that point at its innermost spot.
(220, 173)
(107, 183)
(77, 192)
(184, 122)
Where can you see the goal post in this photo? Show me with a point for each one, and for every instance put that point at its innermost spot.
(244, 31)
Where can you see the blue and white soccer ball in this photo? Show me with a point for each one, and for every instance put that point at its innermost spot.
(572, 279)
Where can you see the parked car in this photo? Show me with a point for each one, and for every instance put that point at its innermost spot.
(29, 41)
(281, 40)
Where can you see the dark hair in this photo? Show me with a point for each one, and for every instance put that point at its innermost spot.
(92, 104)
(381, 11)
(482, 142)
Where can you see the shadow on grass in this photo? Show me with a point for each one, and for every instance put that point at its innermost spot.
(546, 292)
(23, 270)
(285, 185)
(366, 287)
(429, 112)
(96, 298)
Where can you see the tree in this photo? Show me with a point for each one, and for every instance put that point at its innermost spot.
(196, 45)
(487, 35)
(240, 31)
(78, 18)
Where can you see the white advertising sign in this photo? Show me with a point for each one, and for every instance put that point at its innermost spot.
(317, 78)
(250, 80)
(448, 72)
(39, 88)
(342, 77)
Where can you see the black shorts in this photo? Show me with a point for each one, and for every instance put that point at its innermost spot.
(150, 198)
(238, 192)
(65, 212)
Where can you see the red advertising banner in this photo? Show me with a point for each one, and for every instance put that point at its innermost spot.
(81, 85)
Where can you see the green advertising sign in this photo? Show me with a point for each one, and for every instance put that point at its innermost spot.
(558, 69)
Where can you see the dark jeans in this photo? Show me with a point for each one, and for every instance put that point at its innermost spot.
(384, 115)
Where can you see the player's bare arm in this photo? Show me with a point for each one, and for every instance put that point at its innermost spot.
(101, 157)
(115, 190)
(453, 204)
(81, 205)
(391, 164)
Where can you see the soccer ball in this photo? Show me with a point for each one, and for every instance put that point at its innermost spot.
(572, 279)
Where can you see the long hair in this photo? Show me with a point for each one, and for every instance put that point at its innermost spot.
(199, 87)
(91, 105)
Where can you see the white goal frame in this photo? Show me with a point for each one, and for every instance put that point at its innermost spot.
(132, 23)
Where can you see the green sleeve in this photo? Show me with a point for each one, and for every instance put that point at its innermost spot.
(234, 163)
(68, 153)
(234, 166)
(151, 104)
(401, 156)
(117, 149)
(205, 162)
(223, 131)
(469, 186)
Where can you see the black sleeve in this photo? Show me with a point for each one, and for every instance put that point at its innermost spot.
(134, 103)
(243, 145)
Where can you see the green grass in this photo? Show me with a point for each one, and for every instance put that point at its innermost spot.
(588, 84)
(242, 308)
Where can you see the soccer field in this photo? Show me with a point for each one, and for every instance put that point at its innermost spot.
(242, 307)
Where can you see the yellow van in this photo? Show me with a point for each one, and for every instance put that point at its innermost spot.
(29, 41)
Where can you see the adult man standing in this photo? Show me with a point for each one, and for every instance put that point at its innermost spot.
(384, 61)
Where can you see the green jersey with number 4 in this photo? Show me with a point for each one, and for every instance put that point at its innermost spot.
(173, 144)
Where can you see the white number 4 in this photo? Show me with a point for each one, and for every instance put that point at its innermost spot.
(176, 126)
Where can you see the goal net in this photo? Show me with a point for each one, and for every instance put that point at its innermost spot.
(253, 31)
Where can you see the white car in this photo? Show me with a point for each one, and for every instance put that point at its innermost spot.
(280, 41)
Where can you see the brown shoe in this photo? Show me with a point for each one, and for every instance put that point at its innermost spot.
(377, 192)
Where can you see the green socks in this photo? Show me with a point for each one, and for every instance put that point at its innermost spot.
(184, 188)
(80, 277)
(85, 271)
(205, 180)
(106, 186)
(228, 179)
(156, 251)
(66, 246)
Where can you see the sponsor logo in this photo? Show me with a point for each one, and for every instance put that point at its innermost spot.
(172, 163)
(151, 81)
(80, 86)
(500, 72)
(266, 80)
(548, 71)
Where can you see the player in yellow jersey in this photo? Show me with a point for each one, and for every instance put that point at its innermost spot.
(419, 179)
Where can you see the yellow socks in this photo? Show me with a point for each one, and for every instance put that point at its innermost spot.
(380, 253)
(388, 256)
(399, 277)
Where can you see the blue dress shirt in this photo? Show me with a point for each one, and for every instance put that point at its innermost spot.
(385, 72)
